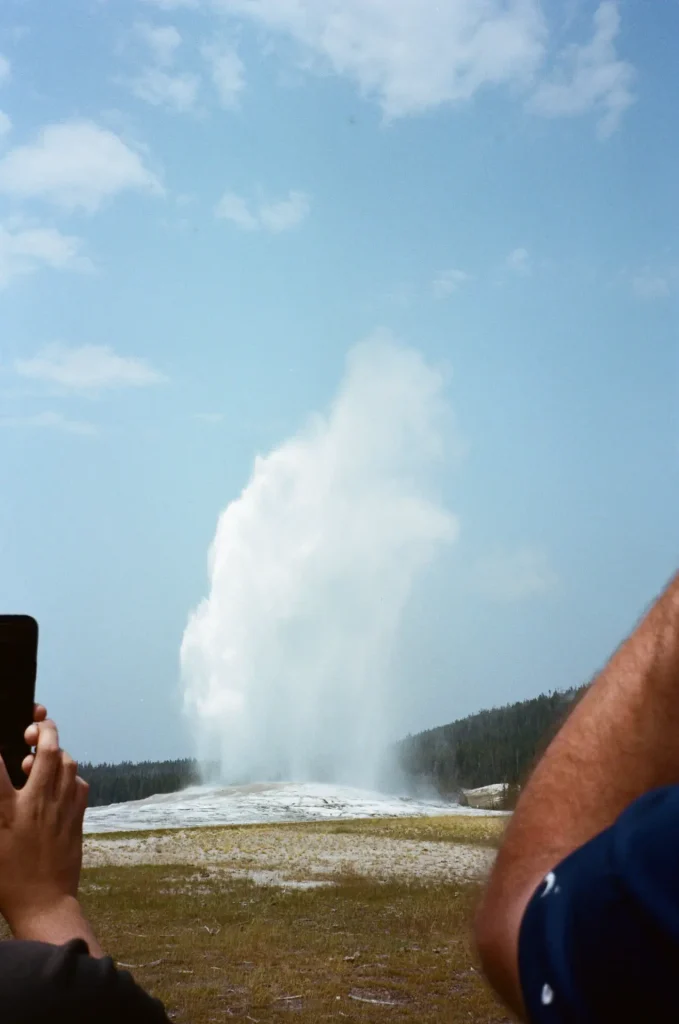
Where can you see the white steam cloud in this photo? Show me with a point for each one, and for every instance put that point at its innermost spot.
(286, 664)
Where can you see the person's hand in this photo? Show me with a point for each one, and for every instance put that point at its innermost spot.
(39, 712)
(41, 833)
(31, 735)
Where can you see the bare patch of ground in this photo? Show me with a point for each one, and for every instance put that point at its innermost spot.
(407, 851)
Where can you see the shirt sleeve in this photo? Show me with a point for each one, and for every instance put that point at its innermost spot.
(599, 940)
(40, 983)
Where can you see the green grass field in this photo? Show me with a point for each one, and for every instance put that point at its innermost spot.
(214, 947)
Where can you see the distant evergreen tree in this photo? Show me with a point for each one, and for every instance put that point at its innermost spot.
(118, 783)
(499, 745)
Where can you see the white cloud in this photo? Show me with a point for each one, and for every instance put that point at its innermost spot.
(515, 576)
(648, 285)
(162, 40)
(590, 77)
(23, 251)
(155, 84)
(234, 208)
(50, 421)
(75, 164)
(5, 69)
(449, 281)
(519, 262)
(275, 217)
(5, 123)
(412, 54)
(285, 214)
(227, 72)
(160, 89)
(90, 368)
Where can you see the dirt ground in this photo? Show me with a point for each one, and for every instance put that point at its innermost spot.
(298, 855)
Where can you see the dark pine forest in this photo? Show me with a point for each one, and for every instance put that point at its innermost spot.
(498, 745)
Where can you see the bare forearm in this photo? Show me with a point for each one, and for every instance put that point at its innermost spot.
(57, 925)
(619, 742)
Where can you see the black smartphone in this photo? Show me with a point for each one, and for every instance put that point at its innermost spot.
(18, 667)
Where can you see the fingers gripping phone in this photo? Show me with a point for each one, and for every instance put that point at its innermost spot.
(18, 666)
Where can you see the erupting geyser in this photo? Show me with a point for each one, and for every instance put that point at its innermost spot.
(286, 663)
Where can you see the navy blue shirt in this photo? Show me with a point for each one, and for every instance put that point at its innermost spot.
(599, 940)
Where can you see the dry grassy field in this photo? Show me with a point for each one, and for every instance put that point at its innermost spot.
(353, 921)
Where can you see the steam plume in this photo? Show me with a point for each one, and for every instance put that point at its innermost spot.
(286, 663)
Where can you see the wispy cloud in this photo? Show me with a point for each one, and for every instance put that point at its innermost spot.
(5, 69)
(286, 213)
(411, 56)
(75, 165)
(276, 217)
(234, 208)
(162, 40)
(5, 123)
(23, 251)
(157, 84)
(515, 576)
(449, 281)
(50, 421)
(88, 369)
(415, 56)
(650, 285)
(590, 77)
(519, 262)
(177, 91)
(227, 72)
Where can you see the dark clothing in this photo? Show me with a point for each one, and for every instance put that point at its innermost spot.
(43, 984)
(599, 940)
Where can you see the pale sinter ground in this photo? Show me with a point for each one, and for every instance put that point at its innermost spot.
(460, 848)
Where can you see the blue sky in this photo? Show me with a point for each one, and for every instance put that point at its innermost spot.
(205, 204)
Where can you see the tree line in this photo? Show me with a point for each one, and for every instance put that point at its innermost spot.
(118, 783)
(497, 745)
